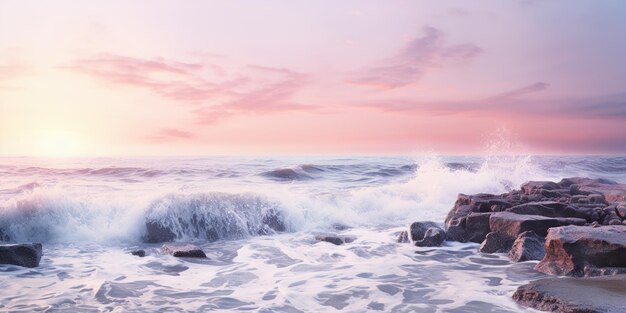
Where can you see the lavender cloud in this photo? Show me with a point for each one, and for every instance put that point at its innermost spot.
(415, 59)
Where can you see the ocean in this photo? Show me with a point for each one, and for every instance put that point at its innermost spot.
(89, 213)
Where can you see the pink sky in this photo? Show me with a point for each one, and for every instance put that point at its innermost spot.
(311, 77)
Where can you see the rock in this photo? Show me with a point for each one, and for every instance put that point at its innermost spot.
(183, 251)
(512, 224)
(575, 295)
(26, 255)
(403, 237)
(477, 227)
(532, 187)
(476, 208)
(585, 251)
(427, 234)
(496, 243)
(620, 209)
(611, 190)
(139, 253)
(527, 247)
(157, 233)
(335, 239)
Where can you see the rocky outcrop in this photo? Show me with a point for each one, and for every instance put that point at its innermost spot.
(183, 251)
(140, 253)
(527, 247)
(427, 234)
(575, 295)
(496, 243)
(585, 251)
(26, 255)
(334, 239)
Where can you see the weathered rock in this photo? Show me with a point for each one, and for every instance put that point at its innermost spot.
(585, 251)
(183, 251)
(334, 239)
(477, 227)
(532, 187)
(427, 234)
(496, 243)
(512, 224)
(140, 253)
(575, 295)
(26, 255)
(476, 208)
(611, 190)
(527, 247)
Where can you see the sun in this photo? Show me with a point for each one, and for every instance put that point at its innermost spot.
(59, 143)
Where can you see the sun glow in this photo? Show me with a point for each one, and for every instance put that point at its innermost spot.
(59, 144)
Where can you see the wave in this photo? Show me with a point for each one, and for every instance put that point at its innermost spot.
(211, 217)
(286, 174)
(251, 209)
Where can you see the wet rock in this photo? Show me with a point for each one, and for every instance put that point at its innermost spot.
(403, 237)
(477, 227)
(527, 247)
(610, 190)
(334, 239)
(140, 253)
(585, 251)
(427, 234)
(512, 224)
(575, 295)
(620, 209)
(532, 187)
(496, 243)
(183, 251)
(26, 255)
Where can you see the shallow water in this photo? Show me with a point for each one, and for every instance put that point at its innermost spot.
(90, 213)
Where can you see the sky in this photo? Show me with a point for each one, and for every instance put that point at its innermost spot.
(393, 77)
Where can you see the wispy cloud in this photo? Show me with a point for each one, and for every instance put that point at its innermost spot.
(213, 91)
(169, 135)
(415, 59)
(520, 92)
(516, 101)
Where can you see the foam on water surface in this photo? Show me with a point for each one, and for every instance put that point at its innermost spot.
(91, 212)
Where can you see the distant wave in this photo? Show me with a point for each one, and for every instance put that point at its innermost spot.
(286, 174)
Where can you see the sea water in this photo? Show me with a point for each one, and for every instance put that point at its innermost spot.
(89, 213)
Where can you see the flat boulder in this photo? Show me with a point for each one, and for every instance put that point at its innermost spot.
(528, 246)
(427, 234)
(512, 224)
(183, 251)
(585, 251)
(610, 190)
(26, 255)
(575, 295)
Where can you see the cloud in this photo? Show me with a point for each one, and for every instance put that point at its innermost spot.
(169, 135)
(214, 92)
(520, 92)
(512, 102)
(415, 59)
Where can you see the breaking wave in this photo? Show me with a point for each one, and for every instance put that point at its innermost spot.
(339, 192)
